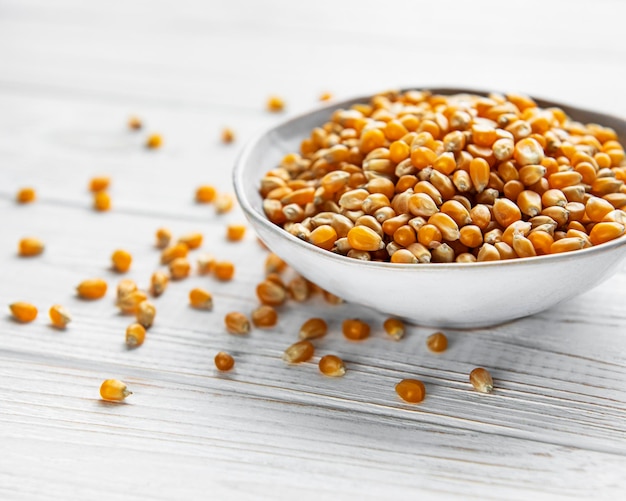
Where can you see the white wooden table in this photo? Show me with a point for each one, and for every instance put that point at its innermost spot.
(71, 72)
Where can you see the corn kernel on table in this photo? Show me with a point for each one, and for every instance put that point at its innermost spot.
(71, 75)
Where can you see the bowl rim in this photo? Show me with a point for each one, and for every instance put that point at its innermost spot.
(244, 159)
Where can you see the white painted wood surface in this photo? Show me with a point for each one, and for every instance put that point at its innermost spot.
(71, 72)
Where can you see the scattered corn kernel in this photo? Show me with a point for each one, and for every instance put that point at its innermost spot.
(114, 390)
(227, 135)
(23, 312)
(179, 268)
(121, 260)
(154, 141)
(313, 328)
(332, 366)
(237, 323)
(326, 96)
(59, 316)
(224, 270)
(129, 303)
(481, 380)
(191, 240)
(275, 104)
(146, 311)
(125, 286)
(135, 335)
(29, 247)
(163, 238)
(158, 283)
(355, 329)
(134, 123)
(200, 299)
(173, 252)
(101, 201)
(298, 289)
(99, 183)
(206, 263)
(264, 316)
(271, 293)
(205, 194)
(26, 195)
(331, 298)
(235, 232)
(411, 390)
(437, 342)
(395, 328)
(93, 288)
(299, 352)
(224, 202)
(274, 264)
(224, 361)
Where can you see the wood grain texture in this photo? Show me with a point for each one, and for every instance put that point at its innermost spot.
(71, 74)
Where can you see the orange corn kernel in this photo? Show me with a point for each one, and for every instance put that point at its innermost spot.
(26, 195)
(121, 260)
(395, 328)
(101, 201)
(481, 380)
(332, 366)
(227, 135)
(134, 123)
(146, 311)
(237, 323)
(179, 268)
(264, 316)
(275, 104)
(224, 361)
(173, 252)
(23, 312)
(235, 232)
(158, 283)
(224, 270)
(163, 238)
(437, 342)
(114, 390)
(355, 329)
(154, 141)
(272, 293)
(29, 247)
(135, 335)
(59, 316)
(299, 352)
(93, 288)
(205, 194)
(411, 390)
(200, 299)
(129, 303)
(99, 183)
(313, 328)
(191, 240)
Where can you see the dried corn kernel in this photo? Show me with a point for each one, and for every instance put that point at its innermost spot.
(134, 123)
(481, 380)
(114, 390)
(395, 328)
(237, 323)
(135, 335)
(146, 311)
(271, 293)
(125, 286)
(59, 316)
(227, 135)
(299, 352)
(313, 328)
(205, 194)
(158, 283)
(264, 316)
(29, 247)
(200, 299)
(25, 196)
(298, 289)
(332, 366)
(175, 251)
(101, 201)
(163, 238)
(411, 390)
(93, 288)
(23, 312)
(437, 342)
(99, 183)
(206, 263)
(224, 270)
(355, 329)
(121, 260)
(129, 303)
(224, 361)
(326, 96)
(154, 141)
(274, 264)
(191, 240)
(275, 104)
(235, 232)
(331, 298)
(179, 268)
(224, 202)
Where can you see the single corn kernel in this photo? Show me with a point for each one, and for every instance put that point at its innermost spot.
(355, 329)
(135, 335)
(30, 247)
(146, 311)
(272, 293)
(264, 316)
(154, 141)
(331, 298)
(395, 328)
(224, 270)
(298, 289)
(101, 201)
(191, 240)
(224, 361)
(125, 286)
(25, 196)
(274, 264)
(158, 283)
(206, 263)
(437, 342)
(114, 390)
(411, 390)
(173, 252)
(332, 366)
(227, 135)
(59, 316)
(99, 183)
(179, 268)
(235, 232)
(121, 260)
(299, 352)
(163, 238)
(237, 323)
(23, 312)
(205, 194)
(131, 301)
(275, 104)
(326, 96)
(313, 328)
(481, 380)
(93, 288)
(363, 238)
(134, 123)
(605, 231)
(200, 299)
(224, 202)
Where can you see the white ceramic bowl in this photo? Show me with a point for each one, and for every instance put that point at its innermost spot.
(460, 295)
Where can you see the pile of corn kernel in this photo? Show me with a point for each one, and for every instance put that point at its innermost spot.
(416, 177)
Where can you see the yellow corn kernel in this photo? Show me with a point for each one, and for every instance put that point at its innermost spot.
(528, 152)
(99, 183)
(191, 240)
(275, 104)
(395, 328)
(121, 260)
(530, 174)
(446, 225)
(206, 263)
(264, 316)
(323, 236)
(135, 335)
(481, 380)
(125, 286)
(560, 180)
(173, 252)
(224, 270)
(158, 283)
(237, 323)
(411, 390)
(274, 264)
(224, 202)
(25, 196)
(471, 236)
(479, 171)
(529, 203)
(365, 239)
(224, 361)
(154, 141)
(506, 212)
(179, 268)
(325, 96)
(205, 194)
(134, 123)
(114, 390)
(271, 293)
(542, 242)
(605, 231)
(93, 288)
(298, 289)
(488, 252)
(523, 246)
(200, 299)
(422, 204)
(402, 256)
(235, 232)
(299, 352)
(355, 329)
(59, 316)
(163, 238)
(332, 366)
(129, 302)
(146, 311)
(567, 244)
(313, 328)
(422, 157)
(437, 342)
(227, 135)
(23, 312)
(29, 247)
(596, 208)
(101, 201)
